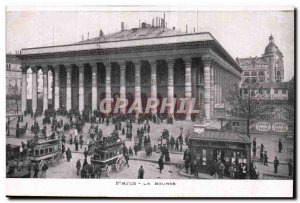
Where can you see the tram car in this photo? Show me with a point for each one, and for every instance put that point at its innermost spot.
(108, 154)
(44, 149)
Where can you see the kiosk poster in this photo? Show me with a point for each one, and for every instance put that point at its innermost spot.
(150, 102)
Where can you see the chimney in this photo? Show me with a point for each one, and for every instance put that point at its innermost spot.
(122, 26)
(82, 37)
(173, 28)
(194, 30)
(88, 36)
(166, 24)
(152, 22)
(186, 29)
(156, 22)
(139, 23)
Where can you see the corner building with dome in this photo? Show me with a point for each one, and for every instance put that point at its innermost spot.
(267, 71)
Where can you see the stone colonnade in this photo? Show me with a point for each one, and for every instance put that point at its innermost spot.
(216, 83)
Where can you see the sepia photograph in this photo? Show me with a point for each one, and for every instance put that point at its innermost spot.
(125, 94)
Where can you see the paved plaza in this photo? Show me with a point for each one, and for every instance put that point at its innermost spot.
(174, 169)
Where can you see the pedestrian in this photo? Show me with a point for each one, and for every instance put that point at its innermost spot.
(78, 166)
(196, 169)
(262, 147)
(76, 144)
(265, 159)
(141, 173)
(279, 146)
(68, 154)
(232, 170)
(85, 153)
(136, 149)
(161, 163)
(126, 159)
(36, 170)
(71, 139)
(254, 151)
(261, 157)
(44, 170)
(130, 151)
(291, 167)
(221, 170)
(276, 164)
(81, 141)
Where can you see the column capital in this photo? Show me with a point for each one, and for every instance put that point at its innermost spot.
(152, 61)
(93, 64)
(80, 65)
(170, 60)
(107, 64)
(137, 63)
(122, 64)
(207, 61)
(187, 60)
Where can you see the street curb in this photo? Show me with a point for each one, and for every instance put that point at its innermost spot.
(153, 161)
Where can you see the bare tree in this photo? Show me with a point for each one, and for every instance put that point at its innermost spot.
(248, 102)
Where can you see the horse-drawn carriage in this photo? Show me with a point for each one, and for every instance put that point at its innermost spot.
(108, 154)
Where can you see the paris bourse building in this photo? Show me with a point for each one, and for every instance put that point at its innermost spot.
(151, 61)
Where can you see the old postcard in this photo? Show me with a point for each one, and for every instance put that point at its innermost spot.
(150, 102)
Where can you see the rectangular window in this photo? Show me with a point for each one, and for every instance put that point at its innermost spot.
(284, 91)
(50, 149)
(41, 151)
(46, 151)
(276, 91)
(36, 152)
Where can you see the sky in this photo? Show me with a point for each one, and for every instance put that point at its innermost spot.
(241, 33)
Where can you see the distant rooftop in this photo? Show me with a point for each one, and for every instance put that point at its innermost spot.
(134, 33)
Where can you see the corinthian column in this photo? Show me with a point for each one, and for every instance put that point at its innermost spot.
(94, 86)
(108, 86)
(206, 63)
(34, 88)
(122, 84)
(137, 88)
(81, 87)
(212, 91)
(45, 87)
(170, 64)
(56, 87)
(69, 90)
(153, 84)
(24, 89)
(188, 87)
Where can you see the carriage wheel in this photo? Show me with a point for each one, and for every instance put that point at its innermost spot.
(108, 171)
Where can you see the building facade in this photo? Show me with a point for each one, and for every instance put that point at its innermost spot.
(13, 73)
(152, 61)
(267, 68)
